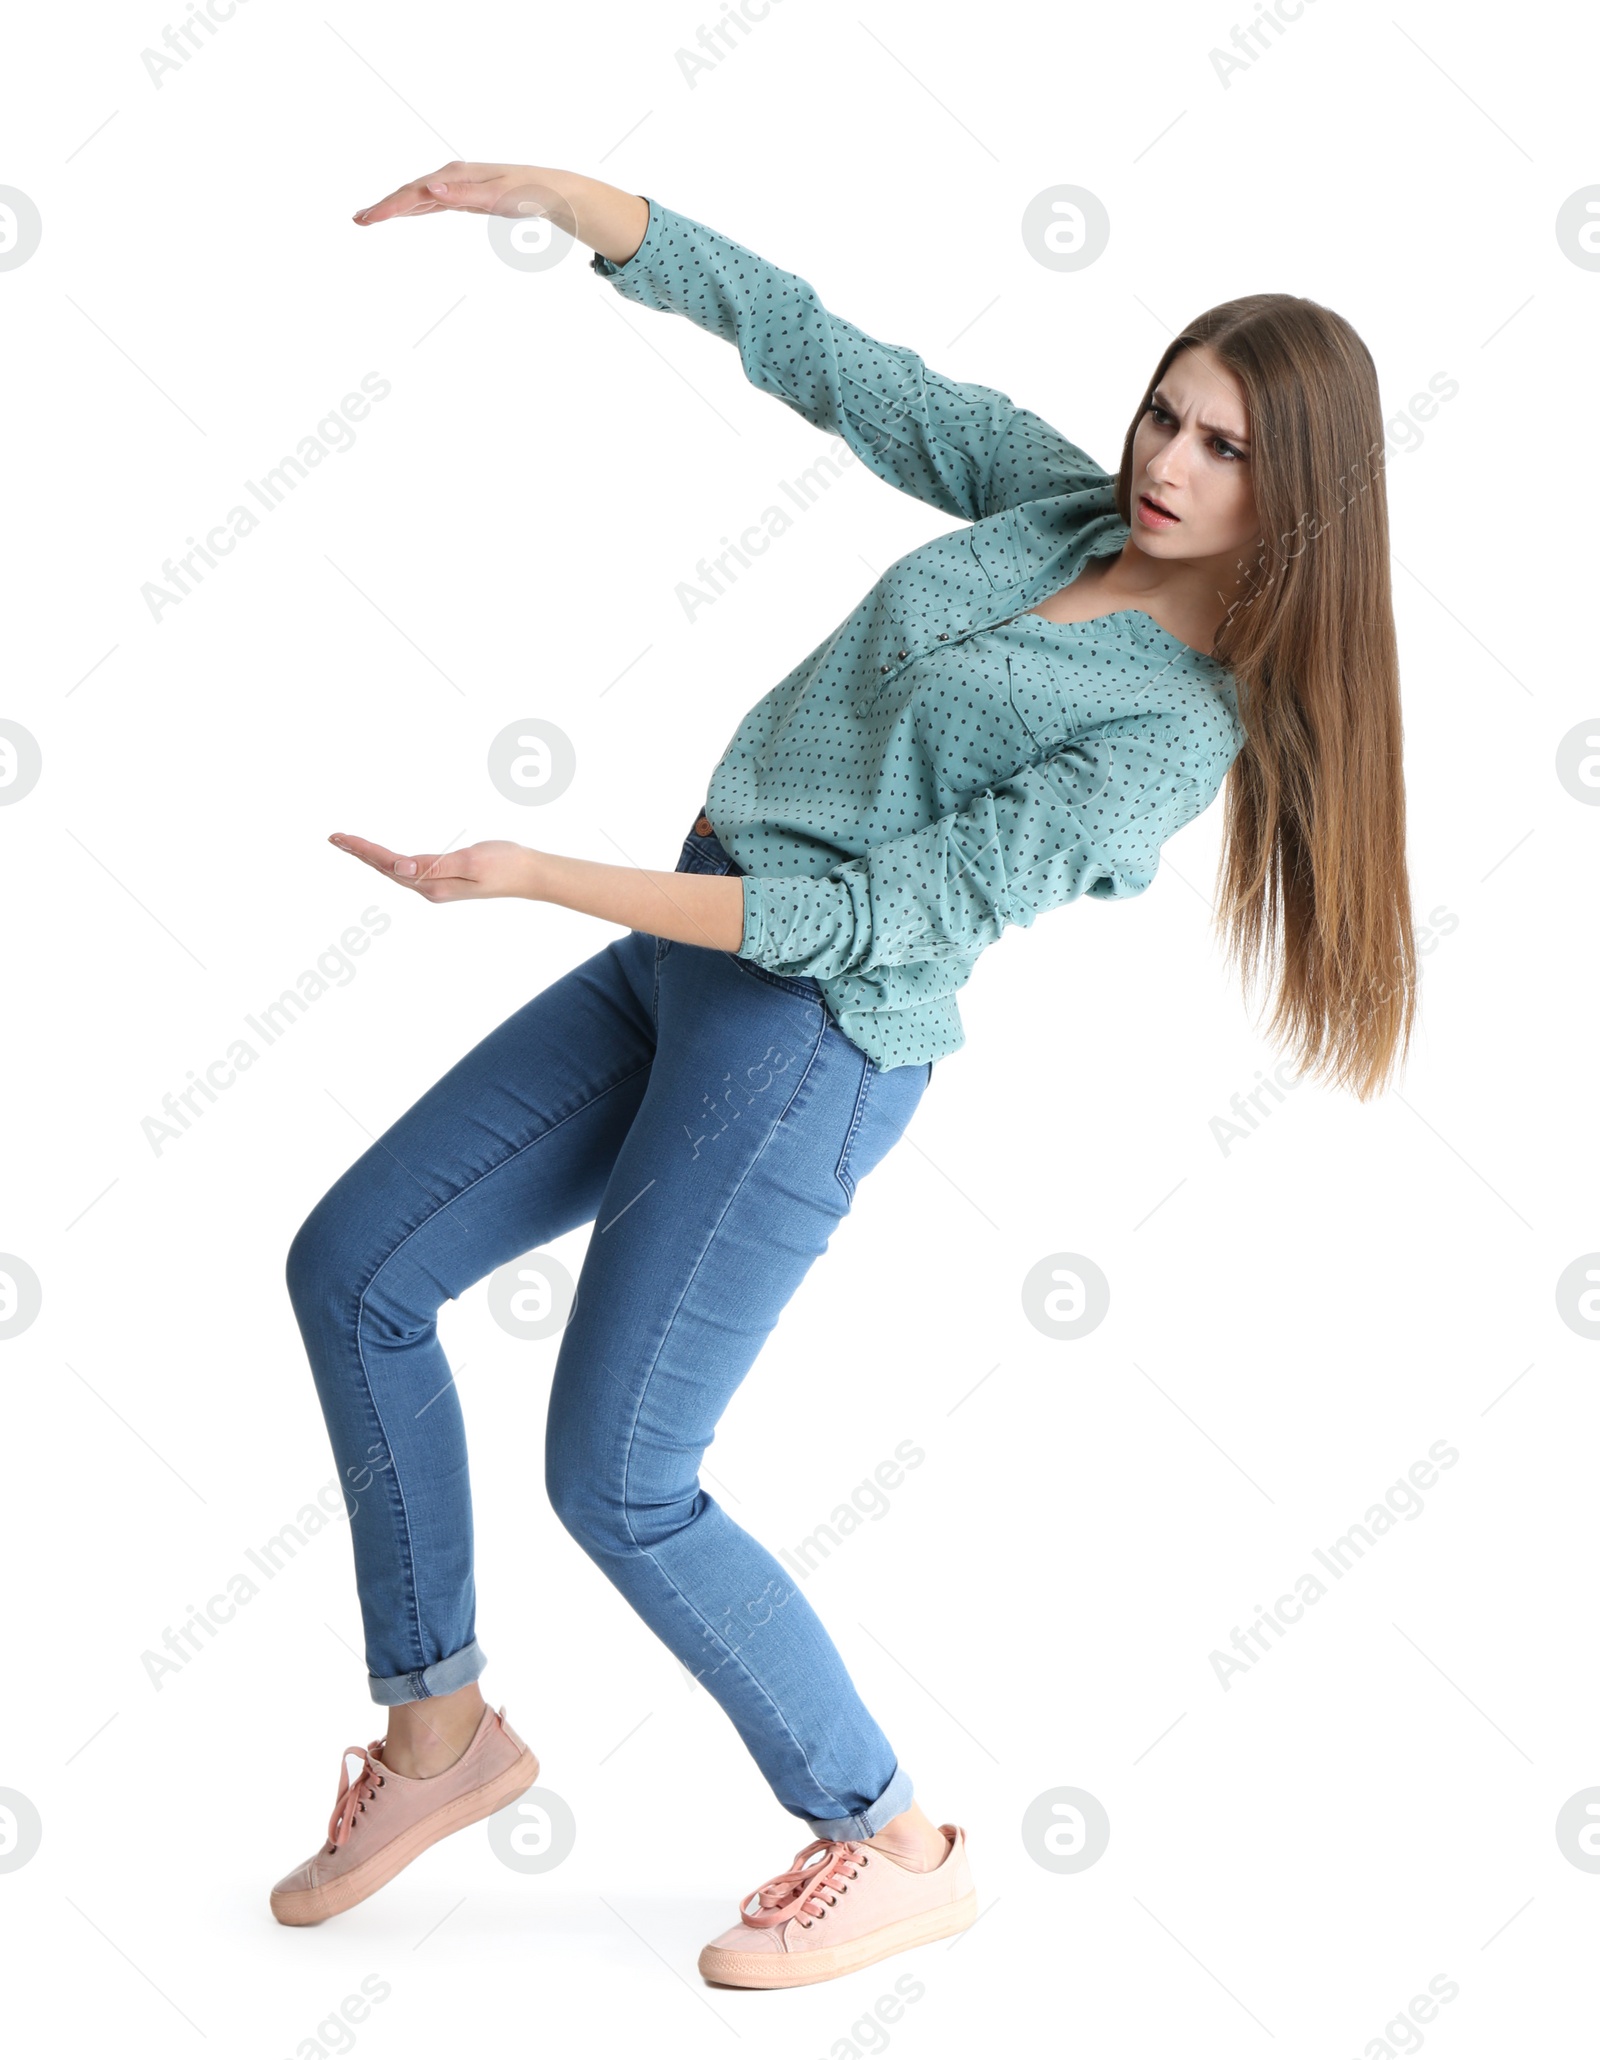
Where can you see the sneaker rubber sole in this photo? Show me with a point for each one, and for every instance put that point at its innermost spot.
(822, 1963)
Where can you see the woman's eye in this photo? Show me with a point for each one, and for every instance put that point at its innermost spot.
(1224, 449)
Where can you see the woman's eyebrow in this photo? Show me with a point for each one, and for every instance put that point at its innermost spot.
(1232, 435)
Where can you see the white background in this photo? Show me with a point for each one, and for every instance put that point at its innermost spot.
(1292, 1322)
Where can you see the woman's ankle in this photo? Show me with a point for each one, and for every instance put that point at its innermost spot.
(428, 1737)
(913, 1839)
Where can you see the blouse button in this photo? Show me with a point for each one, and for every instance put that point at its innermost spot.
(944, 636)
(899, 654)
(883, 668)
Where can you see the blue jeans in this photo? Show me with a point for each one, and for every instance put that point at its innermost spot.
(712, 1121)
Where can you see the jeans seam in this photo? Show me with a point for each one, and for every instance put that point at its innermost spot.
(400, 1510)
(394, 1493)
(841, 1171)
(644, 1550)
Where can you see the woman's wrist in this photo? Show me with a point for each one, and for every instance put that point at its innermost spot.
(608, 219)
(529, 879)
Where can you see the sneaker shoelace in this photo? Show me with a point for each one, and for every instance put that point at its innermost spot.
(821, 1873)
(354, 1795)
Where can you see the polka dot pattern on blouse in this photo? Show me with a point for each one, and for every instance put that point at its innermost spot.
(945, 763)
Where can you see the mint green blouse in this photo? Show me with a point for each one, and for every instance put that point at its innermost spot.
(944, 763)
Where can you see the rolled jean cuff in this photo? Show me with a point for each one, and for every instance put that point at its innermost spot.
(895, 1798)
(442, 1678)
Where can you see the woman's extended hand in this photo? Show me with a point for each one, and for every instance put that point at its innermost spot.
(473, 189)
(690, 908)
(474, 874)
(607, 218)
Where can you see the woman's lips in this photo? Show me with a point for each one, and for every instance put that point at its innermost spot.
(1155, 516)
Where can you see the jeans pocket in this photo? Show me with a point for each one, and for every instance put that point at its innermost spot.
(802, 985)
(885, 1103)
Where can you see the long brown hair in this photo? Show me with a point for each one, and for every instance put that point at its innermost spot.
(1312, 875)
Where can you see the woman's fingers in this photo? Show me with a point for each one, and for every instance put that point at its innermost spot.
(472, 188)
(469, 874)
(477, 871)
(382, 859)
(411, 199)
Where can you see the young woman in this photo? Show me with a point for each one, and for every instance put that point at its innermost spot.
(1021, 711)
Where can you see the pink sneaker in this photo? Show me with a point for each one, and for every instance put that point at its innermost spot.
(841, 1906)
(404, 1816)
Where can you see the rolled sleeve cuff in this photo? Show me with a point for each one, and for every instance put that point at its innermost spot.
(754, 922)
(797, 925)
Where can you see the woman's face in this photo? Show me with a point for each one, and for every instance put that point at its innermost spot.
(1191, 453)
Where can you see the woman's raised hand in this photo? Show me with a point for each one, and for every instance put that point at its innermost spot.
(607, 218)
(473, 189)
(477, 873)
